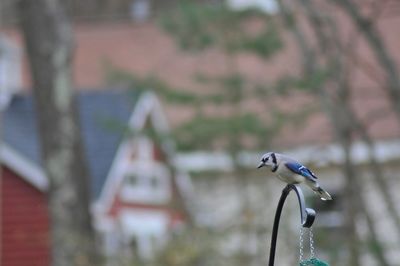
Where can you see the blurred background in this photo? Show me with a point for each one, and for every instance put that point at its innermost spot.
(131, 130)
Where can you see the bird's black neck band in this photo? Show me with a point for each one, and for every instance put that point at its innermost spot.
(274, 168)
(274, 158)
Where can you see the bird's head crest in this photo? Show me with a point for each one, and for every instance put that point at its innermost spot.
(268, 159)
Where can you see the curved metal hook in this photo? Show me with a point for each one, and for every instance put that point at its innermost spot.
(307, 216)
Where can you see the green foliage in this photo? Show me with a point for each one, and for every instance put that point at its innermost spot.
(375, 246)
(264, 44)
(196, 27)
(111, 125)
(204, 132)
(139, 84)
(313, 82)
(309, 83)
(187, 24)
(233, 87)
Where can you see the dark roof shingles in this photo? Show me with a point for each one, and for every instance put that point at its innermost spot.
(99, 110)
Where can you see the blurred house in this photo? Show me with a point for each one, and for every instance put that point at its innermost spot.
(138, 196)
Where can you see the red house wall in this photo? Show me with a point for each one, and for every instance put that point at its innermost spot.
(24, 223)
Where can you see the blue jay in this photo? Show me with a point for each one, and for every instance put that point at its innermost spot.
(292, 172)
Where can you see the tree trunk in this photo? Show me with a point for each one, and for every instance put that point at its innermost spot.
(376, 169)
(308, 57)
(335, 98)
(49, 43)
(351, 191)
(375, 246)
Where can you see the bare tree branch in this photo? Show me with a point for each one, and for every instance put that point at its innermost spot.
(335, 110)
(375, 41)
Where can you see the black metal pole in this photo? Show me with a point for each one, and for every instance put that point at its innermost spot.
(307, 217)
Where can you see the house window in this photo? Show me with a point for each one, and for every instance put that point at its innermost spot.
(132, 180)
(146, 183)
(154, 182)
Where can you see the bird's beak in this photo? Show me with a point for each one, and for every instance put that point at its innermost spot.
(262, 164)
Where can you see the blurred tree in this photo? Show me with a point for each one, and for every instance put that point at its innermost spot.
(376, 43)
(238, 128)
(335, 96)
(217, 26)
(49, 44)
(335, 93)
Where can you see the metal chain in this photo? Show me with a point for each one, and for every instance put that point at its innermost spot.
(311, 242)
(312, 252)
(301, 254)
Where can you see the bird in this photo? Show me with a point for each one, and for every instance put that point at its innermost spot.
(292, 172)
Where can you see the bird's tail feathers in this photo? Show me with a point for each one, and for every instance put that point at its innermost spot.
(323, 194)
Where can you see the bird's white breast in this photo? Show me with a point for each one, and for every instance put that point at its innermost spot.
(284, 174)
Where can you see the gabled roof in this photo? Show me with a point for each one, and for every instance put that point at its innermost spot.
(102, 113)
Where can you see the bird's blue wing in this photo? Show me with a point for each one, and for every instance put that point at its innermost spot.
(300, 169)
